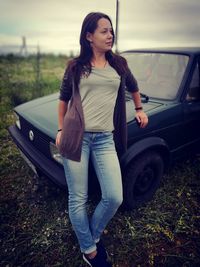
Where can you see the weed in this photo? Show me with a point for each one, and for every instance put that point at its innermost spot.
(35, 229)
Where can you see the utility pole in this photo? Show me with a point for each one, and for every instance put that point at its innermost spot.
(116, 30)
(38, 57)
(38, 87)
(23, 49)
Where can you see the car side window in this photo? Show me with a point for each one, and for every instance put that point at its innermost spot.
(194, 88)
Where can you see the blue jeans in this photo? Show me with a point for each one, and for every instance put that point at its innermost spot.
(100, 146)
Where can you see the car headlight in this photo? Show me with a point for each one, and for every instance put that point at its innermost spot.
(17, 121)
(55, 154)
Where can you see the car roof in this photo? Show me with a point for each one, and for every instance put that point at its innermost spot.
(179, 50)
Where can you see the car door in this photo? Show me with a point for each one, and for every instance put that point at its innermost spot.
(192, 109)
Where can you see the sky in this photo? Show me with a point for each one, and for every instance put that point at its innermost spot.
(54, 25)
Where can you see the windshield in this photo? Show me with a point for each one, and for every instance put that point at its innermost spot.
(158, 75)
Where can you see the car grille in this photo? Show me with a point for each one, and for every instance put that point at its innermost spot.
(40, 140)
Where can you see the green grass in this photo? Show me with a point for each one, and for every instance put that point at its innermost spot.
(35, 229)
(23, 79)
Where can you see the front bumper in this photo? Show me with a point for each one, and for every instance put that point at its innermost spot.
(45, 166)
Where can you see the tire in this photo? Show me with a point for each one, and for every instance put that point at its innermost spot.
(142, 178)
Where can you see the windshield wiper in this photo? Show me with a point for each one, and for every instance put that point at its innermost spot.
(144, 96)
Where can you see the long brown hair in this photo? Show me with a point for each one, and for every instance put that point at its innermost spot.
(82, 64)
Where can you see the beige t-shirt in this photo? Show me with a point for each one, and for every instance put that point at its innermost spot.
(98, 95)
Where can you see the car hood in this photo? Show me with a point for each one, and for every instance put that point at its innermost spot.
(43, 114)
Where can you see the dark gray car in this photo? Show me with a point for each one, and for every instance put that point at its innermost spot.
(169, 80)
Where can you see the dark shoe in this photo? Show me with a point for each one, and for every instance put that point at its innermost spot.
(97, 261)
(101, 250)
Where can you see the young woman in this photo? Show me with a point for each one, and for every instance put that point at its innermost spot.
(92, 124)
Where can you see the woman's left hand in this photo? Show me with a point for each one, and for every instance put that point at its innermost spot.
(142, 118)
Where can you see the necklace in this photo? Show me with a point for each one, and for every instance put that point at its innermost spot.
(99, 65)
(105, 64)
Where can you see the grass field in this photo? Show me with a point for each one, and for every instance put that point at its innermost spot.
(35, 228)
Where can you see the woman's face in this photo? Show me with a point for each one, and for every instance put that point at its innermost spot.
(102, 38)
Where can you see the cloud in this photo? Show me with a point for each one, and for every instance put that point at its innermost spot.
(56, 24)
(159, 23)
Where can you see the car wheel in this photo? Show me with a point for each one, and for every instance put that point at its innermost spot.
(142, 178)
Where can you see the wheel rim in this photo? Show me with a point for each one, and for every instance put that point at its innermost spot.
(144, 181)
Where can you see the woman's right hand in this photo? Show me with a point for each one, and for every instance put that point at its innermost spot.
(58, 138)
